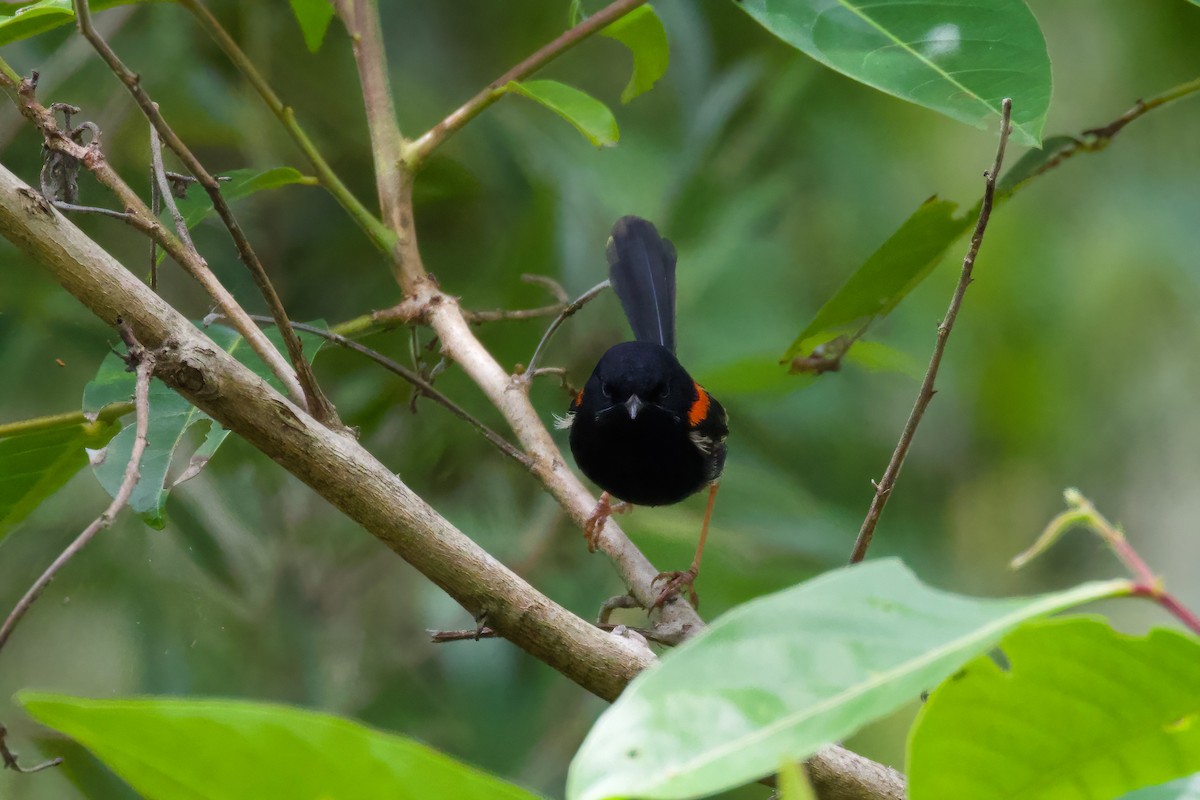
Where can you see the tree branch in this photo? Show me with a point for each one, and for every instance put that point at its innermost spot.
(883, 489)
(309, 390)
(351, 479)
(429, 141)
(375, 230)
(143, 219)
(422, 386)
(392, 180)
(337, 467)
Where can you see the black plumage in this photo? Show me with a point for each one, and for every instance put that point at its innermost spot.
(642, 429)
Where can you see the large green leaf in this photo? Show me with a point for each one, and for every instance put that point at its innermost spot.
(22, 20)
(1080, 711)
(171, 749)
(589, 116)
(242, 183)
(171, 416)
(886, 278)
(642, 32)
(36, 464)
(959, 58)
(314, 17)
(782, 676)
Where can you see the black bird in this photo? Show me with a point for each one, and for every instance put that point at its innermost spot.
(642, 429)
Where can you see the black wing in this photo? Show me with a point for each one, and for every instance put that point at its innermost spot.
(641, 265)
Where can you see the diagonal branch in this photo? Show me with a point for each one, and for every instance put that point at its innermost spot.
(376, 231)
(139, 215)
(883, 489)
(429, 141)
(313, 396)
(421, 385)
(351, 479)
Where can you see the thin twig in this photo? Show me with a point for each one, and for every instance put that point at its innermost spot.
(141, 218)
(8, 759)
(591, 294)
(554, 287)
(376, 231)
(422, 386)
(163, 191)
(883, 489)
(1081, 511)
(303, 383)
(420, 149)
(142, 361)
(503, 314)
(70, 419)
(1096, 139)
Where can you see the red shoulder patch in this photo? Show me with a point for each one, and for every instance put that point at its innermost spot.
(699, 410)
(579, 398)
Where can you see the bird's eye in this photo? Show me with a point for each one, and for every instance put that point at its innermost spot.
(605, 390)
(662, 390)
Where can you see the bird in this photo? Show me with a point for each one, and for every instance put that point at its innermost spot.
(642, 429)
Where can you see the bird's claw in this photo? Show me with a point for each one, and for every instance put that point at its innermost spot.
(595, 523)
(675, 581)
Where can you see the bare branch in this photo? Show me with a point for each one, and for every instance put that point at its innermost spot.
(429, 141)
(422, 386)
(143, 362)
(883, 489)
(8, 759)
(591, 294)
(376, 231)
(141, 218)
(341, 471)
(307, 381)
(393, 180)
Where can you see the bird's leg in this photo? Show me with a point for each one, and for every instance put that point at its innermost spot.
(595, 523)
(677, 580)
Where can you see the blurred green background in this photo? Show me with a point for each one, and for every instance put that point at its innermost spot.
(1073, 363)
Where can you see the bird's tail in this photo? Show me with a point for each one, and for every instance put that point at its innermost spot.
(641, 266)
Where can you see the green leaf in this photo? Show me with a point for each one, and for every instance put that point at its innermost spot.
(760, 374)
(589, 116)
(242, 183)
(878, 357)
(171, 416)
(1081, 711)
(314, 17)
(36, 464)
(22, 20)
(961, 59)
(886, 278)
(643, 33)
(171, 749)
(784, 675)
(1030, 164)
(1183, 789)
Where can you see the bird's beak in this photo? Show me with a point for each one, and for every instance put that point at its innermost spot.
(633, 405)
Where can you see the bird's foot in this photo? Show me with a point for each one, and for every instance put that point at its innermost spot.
(675, 581)
(595, 523)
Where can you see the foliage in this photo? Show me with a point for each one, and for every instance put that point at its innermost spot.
(171, 416)
(784, 675)
(774, 177)
(1076, 709)
(181, 749)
